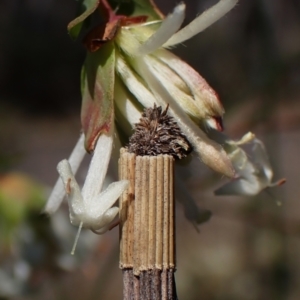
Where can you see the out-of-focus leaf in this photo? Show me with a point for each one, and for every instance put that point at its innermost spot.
(19, 195)
(98, 79)
(137, 8)
(129, 8)
(147, 7)
(87, 7)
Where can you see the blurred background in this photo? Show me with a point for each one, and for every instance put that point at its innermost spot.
(250, 248)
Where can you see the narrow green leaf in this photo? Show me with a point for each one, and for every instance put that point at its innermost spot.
(87, 8)
(149, 8)
(132, 8)
(98, 79)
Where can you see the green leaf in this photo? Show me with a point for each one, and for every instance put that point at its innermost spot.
(87, 7)
(147, 7)
(20, 197)
(98, 79)
(132, 8)
(127, 8)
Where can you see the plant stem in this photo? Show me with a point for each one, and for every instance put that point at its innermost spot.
(147, 227)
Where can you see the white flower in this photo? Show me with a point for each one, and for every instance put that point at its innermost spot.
(58, 191)
(254, 172)
(133, 65)
(155, 75)
(89, 208)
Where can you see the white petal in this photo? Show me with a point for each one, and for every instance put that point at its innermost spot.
(134, 83)
(98, 167)
(246, 138)
(257, 166)
(260, 157)
(75, 201)
(254, 175)
(203, 21)
(168, 27)
(206, 99)
(107, 198)
(211, 153)
(176, 87)
(248, 182)
(241, 187)
(99, 211)
(103, 223)
(240, 161)
(125, 105)
(58, 191)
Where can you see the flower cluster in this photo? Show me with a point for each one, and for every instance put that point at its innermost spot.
(128, 68)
